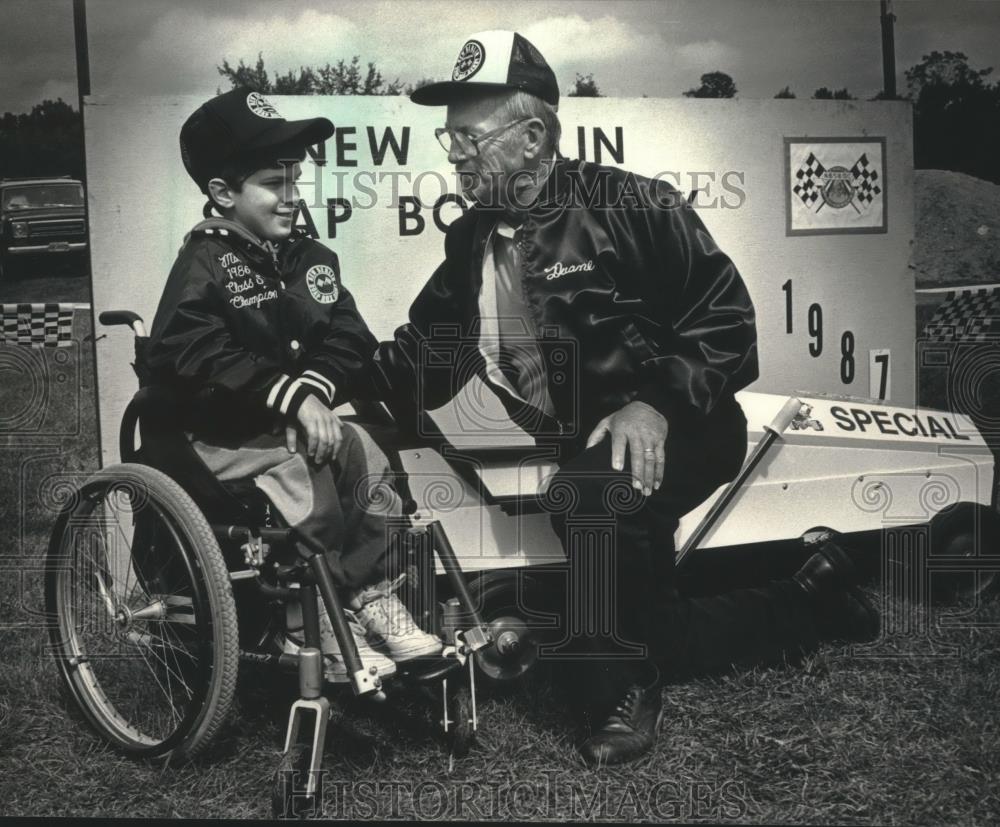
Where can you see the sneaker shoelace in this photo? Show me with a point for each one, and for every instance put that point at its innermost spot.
(357, 629)
(376, 599)
(353, 624)
(390, 588)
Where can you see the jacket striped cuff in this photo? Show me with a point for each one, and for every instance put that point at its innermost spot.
(287, 394)
(321, 383)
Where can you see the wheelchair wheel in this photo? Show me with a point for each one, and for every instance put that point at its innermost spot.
(461, 734)
(141, 615)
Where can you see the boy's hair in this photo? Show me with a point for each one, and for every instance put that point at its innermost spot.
(237, 169)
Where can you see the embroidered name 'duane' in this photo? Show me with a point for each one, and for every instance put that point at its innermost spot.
(559, 269)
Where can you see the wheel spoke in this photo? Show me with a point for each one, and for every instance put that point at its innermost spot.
(168, 672)
(173, 651)
(144, 624)
(109, 602)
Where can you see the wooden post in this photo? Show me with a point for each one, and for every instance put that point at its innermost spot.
(888, 50)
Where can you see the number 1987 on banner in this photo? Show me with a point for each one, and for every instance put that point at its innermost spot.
(878, 367)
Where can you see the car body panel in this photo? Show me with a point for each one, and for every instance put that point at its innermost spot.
(847, 472)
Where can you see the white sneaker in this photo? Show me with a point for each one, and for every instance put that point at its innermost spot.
(334, 668)
(389, 627)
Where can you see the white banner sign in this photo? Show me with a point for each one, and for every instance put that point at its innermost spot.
(381, 193)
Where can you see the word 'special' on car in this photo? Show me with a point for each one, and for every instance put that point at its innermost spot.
(42, 223)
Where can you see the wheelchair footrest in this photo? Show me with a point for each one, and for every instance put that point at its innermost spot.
(427, 670)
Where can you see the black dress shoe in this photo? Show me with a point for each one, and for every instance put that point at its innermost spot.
(841, 610)
(828, 570)
(630, 730)
(847, 616)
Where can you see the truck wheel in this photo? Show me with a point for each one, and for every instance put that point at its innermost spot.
(960, 533)
(515, 644)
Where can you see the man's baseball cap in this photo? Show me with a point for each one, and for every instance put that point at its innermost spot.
(493, 61)
(239, 122)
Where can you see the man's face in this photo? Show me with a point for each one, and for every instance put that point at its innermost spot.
(484, 176)
(265, 204)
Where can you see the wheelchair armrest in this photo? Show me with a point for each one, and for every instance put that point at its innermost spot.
(151, 406)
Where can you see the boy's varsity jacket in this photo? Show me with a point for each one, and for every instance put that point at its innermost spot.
(246, 331)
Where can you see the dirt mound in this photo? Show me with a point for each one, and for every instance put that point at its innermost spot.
(957, 237)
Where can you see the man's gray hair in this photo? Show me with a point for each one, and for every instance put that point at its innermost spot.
(518, 104)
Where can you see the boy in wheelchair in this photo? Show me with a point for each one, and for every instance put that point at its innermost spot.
(258, 336)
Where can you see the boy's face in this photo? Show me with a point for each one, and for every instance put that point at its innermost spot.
(265, 204)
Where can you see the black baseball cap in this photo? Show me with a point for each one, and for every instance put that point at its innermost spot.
(494, 60)
(237, 123)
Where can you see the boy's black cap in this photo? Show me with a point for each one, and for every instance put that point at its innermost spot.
(491, 62)
(240, 121)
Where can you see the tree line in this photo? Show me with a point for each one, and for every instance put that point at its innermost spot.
(48, 140)
(956, 111)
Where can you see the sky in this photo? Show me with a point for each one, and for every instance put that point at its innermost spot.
(658, 48)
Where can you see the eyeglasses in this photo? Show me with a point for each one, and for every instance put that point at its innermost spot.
(467, 144)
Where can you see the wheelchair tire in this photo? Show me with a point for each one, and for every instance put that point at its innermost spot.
(461, 735)
(141, 615)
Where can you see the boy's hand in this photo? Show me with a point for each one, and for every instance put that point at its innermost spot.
(322, 430)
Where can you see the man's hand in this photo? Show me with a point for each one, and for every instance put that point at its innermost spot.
(322, 430)
(644, 430)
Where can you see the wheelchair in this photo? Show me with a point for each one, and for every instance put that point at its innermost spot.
(161, 580)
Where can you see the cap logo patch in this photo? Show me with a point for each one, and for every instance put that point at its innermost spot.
(260, 106)
(322, 283)
(470, 59)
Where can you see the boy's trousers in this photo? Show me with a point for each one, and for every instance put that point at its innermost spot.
(347, 505)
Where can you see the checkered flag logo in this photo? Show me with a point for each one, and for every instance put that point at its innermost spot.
(967, 316)
(36, 325)
(808, 179)
(866, 186)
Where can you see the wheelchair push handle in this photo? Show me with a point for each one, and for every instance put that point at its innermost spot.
(117, 317)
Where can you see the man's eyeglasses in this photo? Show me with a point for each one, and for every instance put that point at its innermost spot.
(467, 144)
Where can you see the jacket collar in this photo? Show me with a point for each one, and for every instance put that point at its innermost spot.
(558, 186)
(224, 227)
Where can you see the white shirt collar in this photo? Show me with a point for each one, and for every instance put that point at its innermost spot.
(504, 229)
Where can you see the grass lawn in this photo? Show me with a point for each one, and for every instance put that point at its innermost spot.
(40, 285)
(899, 732)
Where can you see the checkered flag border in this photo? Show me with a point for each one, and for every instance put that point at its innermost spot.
(36, 325)
(809, 177)
(971, 315)
(865, 180)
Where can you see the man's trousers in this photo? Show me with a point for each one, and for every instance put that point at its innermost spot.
(622, 612)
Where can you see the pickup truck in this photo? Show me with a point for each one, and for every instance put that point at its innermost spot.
(42, 219)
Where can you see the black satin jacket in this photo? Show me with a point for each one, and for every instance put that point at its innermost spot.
(244, 333)
(614, 264)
